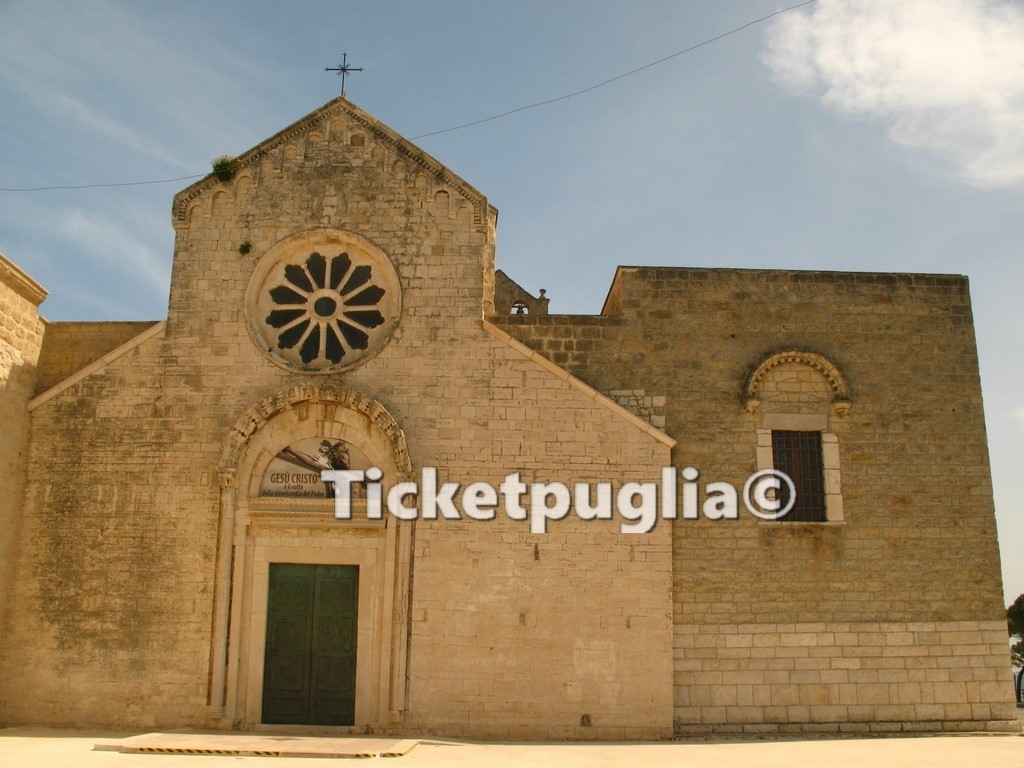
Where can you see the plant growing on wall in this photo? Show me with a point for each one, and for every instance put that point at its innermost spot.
(224, 167)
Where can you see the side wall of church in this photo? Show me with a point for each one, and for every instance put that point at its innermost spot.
(21, 337)
(887, 618)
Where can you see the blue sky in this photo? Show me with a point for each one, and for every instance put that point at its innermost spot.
(846, 135)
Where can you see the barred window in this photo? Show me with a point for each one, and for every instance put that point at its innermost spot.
(798, 454)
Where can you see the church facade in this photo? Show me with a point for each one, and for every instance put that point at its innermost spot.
(533, 525)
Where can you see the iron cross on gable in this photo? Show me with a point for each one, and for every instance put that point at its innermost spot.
(343, 69)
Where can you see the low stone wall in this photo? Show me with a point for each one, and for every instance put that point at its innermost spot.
(835, 677)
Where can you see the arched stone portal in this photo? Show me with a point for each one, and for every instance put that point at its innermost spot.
(264, 523)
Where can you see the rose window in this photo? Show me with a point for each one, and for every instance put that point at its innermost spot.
(320, 314)
(325, 310)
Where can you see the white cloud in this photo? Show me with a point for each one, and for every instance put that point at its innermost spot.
(945, 76)
(1018, 414)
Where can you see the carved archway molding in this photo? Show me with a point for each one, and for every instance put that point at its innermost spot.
(831, 373)
(273, 406)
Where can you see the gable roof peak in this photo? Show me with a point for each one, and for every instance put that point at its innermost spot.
(337, 107)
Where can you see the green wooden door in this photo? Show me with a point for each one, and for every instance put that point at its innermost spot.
(309, 670)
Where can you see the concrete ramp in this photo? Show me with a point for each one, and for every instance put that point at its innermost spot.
(259, 745)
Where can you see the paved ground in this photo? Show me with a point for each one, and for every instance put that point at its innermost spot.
(36, 748)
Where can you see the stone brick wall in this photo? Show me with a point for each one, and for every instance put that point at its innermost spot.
(70, 347)
(650, 408)
(21, 335)
(918, 542)
(517, 634)
(842, 677)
